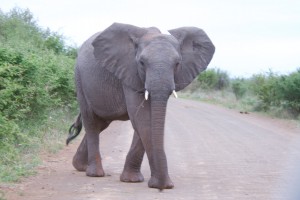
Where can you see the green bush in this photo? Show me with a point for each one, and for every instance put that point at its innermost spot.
(32, 83)
(213, 79)
(267, 92)
(265, 86)
(275, 92)
(10, 137)
(36, 77)
(239, 88)
(289, 92)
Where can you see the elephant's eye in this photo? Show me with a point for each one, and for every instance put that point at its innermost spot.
(142, 63)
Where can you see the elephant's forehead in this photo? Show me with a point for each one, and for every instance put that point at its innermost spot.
(164, 46)
(158, 37)
(161, 41)
(160, 50)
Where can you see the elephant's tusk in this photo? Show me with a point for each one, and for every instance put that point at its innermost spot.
(174, 93)
(146, 95)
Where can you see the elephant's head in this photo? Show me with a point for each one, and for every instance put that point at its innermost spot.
(157, 64)
(144, 59)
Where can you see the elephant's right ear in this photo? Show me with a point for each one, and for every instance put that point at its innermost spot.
(115, 50)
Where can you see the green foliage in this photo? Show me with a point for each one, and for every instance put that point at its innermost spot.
(268, 92)
(289, 92)
(36, 77)
(239, 88)
(55, 43)
(275, 91)
(19, 30)
(32, 83)
(266, 88)
(8, 151)
(213, 79)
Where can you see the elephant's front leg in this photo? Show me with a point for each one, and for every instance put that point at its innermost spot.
(139, 112)
(134, 159)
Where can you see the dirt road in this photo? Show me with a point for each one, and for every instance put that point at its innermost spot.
(213, 153)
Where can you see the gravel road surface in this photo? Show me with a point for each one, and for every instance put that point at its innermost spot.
(213, 153)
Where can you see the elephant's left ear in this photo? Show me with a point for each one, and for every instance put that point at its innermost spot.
(115, 50)
(197, 51)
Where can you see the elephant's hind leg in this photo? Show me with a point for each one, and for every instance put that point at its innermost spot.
(80, 159)
(94, 163)
(132, 168)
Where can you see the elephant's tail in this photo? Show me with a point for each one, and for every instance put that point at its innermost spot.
(75, 129)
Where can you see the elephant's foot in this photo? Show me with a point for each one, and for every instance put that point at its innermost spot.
(95, 171)
(95, 168)
(79, 165)
(80, 159)
(132, 177)
(154, 183)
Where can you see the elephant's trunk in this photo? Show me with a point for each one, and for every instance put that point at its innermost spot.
(158, 113)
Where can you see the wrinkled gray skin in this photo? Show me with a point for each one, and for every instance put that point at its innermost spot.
(114, 69)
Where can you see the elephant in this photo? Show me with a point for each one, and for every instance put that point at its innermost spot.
(128, 73)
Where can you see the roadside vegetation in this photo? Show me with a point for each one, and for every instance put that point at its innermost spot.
(37, 99)
(271, 93)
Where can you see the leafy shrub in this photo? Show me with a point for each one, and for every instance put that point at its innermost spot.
(239, 88)
(265, 86)
(289, 92)
(31, 83)
(213, 79)
(9, 138)
(268, 92)
(36, 77)
(277, 92)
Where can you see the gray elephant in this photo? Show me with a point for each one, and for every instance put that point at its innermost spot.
(127, 72)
